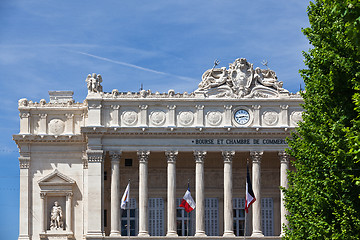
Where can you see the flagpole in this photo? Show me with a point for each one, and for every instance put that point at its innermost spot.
(245, 226)
(187, 214)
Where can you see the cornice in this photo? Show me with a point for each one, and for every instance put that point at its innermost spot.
(32, 138)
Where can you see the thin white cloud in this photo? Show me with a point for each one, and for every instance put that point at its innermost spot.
(133, 66)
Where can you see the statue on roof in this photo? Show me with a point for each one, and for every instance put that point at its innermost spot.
(94, 83)
(240, 81)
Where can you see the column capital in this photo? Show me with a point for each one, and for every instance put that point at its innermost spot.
(228, 107)
(42, 195)
(143, 107)
(199, 107)
(256, 156)
(24, 162)
(171, 107)
(115, 156)
(171, 156)
(95, 156)
(284, 157)
(69, 195)
(199, 156)
(256, 107)
(143, 156)
(228, 156)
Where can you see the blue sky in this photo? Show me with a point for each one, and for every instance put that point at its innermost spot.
(54, 45)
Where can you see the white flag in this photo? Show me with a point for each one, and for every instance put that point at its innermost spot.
(125, 197)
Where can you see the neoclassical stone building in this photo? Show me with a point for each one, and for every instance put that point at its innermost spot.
(76, 159)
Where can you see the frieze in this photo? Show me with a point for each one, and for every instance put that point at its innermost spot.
(186, 118)
(56, 126)
(270, 118)
(157, 118)
(129, 117)
(214, 118)
(238, 141)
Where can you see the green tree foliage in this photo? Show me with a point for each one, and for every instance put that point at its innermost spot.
(323, 194)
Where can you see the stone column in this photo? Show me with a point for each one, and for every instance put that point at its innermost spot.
(68, 212)
(143, 193)
(24, 220)
(256, 184)
(171, 193)
(228, 206)
(115, 193)
(284, 167)
(199, 188)
(44, 213)
(95, 199)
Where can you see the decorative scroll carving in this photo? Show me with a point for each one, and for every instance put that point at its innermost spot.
(240, 81)
(171, 156)
(130, 118)
(115, 156)
(56, 126)
(186, 118)
(23, 102)
(214, 118)
(256, 156)
(199, 156)
(270, 117)
(143, 156)
(94, 83)
(228, 156)
(284, 157)
(95, 155)
(157, 118)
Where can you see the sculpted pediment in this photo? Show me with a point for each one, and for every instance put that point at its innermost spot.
(56, 179)
(240, 80)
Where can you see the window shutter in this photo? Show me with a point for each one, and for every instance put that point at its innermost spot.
(156, 217)
(267, 217)
(211, 217)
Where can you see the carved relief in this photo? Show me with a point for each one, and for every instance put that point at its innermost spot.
(296, 116)
(157, 118)
(56, 126)
(270, 117)
(186, 118)
(214, 118)
(240, 81)
(130, 117)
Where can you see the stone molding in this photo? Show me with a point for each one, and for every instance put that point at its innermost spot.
(228, 156)
(95, 156)
(256, 156)
(199, 156)
(171, 156)
(143, 156)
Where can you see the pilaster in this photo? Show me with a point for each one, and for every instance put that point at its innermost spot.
(199, 115)
(143, 115)
(227, 119)
(171, 121)
(25, 209)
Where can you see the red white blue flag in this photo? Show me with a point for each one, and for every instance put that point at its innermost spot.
(188, 202)
(250, 196)
(125, 197)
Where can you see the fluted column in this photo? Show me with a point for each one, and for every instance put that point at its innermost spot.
(199, 188)
(143, 193)
(95, 192)
(115, 193)
(68, 212)
(228, 207)
(284, 167)
(256, 184)
(43, 214)
(171, 193)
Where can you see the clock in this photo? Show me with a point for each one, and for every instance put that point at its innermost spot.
(242, 116)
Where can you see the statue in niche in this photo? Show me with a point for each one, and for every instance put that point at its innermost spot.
(56, 218)
(94, 83)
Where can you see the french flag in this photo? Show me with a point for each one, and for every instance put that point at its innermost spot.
(188, 202)
(250, 196)
(125, 197)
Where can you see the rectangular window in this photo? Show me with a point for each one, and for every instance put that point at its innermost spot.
(183, 220)
(211, 217)
(239, 216)
(128, 162)
(129, 219)
(156, 217)
(267, 216)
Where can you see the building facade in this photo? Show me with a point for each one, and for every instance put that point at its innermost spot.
(76, 159)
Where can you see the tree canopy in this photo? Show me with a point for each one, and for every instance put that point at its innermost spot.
(323, 195)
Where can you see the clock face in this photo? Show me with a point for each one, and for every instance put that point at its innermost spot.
(242, 116)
